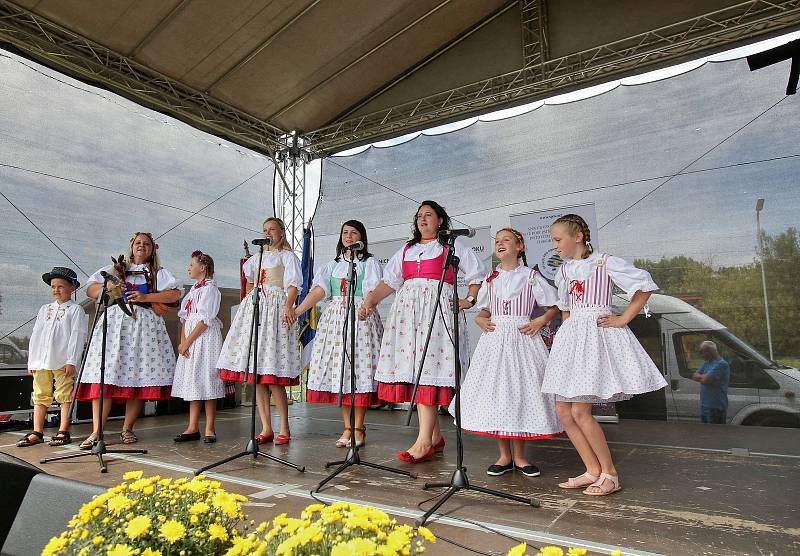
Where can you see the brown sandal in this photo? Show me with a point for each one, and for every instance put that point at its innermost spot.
(128, 437)
(363, 431)
(88, 442)
(60, 438)
(26, 441)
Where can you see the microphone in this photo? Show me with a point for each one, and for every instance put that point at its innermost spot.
(357, 246)
(465, 232)
(262, 241)
(109, 277)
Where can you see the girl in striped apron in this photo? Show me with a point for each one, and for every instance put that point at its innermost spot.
(501, 396)
(595, 357)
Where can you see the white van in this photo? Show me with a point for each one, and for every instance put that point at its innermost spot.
(761, 392)
(11, 355)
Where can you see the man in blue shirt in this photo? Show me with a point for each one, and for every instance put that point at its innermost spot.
(713, 375)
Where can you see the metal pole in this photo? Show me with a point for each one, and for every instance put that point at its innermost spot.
(763, 276)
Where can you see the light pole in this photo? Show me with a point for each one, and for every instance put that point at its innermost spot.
(759, 207)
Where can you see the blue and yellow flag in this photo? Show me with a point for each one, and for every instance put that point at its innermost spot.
(307, 322)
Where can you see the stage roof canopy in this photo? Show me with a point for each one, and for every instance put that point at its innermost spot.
(347, 72)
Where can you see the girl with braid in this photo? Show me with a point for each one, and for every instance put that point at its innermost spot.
(501, 396)
(595, 357)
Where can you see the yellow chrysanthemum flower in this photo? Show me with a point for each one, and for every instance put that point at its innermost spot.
(121, 550)
(172, 531)
(55, 546)
(426, 534)
(138, 526)
(397, 539)
(118, 504)
(133, 475)
(518, 550)
(550, 551)
(217, 532)
(226, 502)
(199, 508)
(151, 552)
(355, 547)
(97, 540)
(576, 551)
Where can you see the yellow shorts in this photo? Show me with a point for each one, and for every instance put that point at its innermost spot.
(43, 386)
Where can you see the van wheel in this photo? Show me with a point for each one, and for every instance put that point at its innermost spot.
(774, 420)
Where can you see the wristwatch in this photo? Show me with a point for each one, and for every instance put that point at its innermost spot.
(471, 299)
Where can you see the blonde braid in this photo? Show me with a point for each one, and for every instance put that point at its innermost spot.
(576, 224)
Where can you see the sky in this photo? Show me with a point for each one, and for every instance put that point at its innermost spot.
(81, 169)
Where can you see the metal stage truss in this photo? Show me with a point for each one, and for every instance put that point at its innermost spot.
(540, 76)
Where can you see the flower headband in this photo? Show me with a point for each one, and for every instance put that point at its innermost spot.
(196, 254)
(148, 234)
(516, 234)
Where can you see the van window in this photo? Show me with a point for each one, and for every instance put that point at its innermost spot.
(745, 371)
(648, 332)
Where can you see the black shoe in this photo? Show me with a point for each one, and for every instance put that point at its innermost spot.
(530, 471)
(187, 437)
(210, 439)
(496, 470)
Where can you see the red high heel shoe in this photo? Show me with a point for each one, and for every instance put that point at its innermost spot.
(405, 456)
(264, 439)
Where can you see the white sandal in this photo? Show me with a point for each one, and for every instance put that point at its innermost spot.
(343, 442)
(614, 479)
(576, 482)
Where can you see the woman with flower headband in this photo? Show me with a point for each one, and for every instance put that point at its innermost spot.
(140, 361)
(501, 396)
(196, 376)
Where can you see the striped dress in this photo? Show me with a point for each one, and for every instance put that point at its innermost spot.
(501, 395)
(587, 363)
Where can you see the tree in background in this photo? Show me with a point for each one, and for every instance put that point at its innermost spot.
(733, 295)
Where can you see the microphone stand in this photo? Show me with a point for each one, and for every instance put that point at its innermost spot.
(99, 446)
(73, 405)
(352, 457)
(458, 481)
(255, 324)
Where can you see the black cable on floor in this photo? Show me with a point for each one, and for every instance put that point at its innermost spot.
(476, 524)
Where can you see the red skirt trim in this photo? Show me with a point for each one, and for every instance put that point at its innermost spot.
(398, 392)
(226, 374)
(364, 399)
(91, 391)
(516, 436)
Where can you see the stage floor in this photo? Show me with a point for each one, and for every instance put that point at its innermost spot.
(688, 488)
